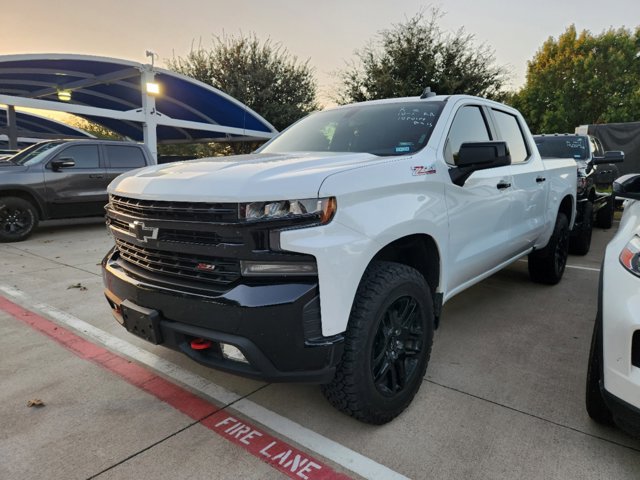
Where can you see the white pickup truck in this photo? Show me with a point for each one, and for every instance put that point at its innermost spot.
(327, 255)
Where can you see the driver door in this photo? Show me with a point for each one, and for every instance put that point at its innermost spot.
(480, 210)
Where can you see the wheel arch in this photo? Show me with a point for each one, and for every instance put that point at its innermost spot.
(419, 251)
(25, 195)
(567, 206)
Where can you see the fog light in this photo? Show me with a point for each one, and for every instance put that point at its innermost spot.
(232, 353)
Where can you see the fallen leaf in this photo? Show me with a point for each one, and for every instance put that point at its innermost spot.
(79, 286)
(36, 402)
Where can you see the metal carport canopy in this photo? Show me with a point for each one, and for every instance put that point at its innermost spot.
(31, 127)
(113, 93)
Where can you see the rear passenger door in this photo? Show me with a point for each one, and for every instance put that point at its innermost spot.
(529, 194)
(122, 158)
(79, 190)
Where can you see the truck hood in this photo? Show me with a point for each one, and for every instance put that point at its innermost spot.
(246, 178)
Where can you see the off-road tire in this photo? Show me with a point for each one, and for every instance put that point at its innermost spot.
(604, 216)
(548, 264)
(596, 406)
(18, 219)
(371, 339)
(580, 243)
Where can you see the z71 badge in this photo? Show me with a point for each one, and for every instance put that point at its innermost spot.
(422, 170)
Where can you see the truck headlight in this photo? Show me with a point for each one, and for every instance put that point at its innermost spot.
(322, 208)
(630, 256)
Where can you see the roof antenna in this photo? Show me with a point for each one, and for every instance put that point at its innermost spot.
(428, 93)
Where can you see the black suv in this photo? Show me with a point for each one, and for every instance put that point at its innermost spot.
(596, 174)
(61, 179)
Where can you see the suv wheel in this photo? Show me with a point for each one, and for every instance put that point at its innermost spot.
(18, 218)
(387, 345)
(596, 407)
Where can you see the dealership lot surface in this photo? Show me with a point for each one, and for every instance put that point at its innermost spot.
(503, 396)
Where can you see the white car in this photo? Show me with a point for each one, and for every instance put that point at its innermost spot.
(613, 377)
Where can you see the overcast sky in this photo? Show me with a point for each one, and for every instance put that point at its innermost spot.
(324, 31)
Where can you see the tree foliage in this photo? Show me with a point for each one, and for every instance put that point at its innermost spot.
(93, 128)
(582, 79)
(262, 75)
(403, 60)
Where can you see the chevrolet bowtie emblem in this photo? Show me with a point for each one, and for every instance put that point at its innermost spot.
(142, 232)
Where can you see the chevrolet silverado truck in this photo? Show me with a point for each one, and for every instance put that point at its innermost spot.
(327, 255)
(61, 179)
(596, 173)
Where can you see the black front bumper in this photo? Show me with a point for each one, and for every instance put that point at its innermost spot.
(274, 325)
(625, 416)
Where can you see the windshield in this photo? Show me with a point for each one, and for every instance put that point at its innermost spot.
(564, 146)
(32, 154)
(383, 129)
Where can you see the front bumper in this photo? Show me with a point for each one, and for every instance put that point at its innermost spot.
(275, 326)
(620, 313)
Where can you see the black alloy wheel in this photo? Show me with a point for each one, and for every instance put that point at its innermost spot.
(397, 346)
(18, 218)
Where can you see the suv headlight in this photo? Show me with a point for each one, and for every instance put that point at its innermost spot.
(321, 208)
(630, 256)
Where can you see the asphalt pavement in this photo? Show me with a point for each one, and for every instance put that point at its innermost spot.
(503, 397)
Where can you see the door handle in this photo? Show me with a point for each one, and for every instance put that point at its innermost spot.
(96, 175)
(503, 185)
(540, 179)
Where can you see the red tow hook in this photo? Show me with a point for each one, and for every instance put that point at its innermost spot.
(200, 344)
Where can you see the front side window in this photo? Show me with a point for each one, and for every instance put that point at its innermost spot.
(512, 134)
(468, 126)
(382, 129)
(84, 156)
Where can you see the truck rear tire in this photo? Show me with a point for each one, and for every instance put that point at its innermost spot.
(604, 217)
(387, 344)
(548, 265)
(580, 242)
(18, 219)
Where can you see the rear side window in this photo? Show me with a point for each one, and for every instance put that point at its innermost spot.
(512, 134)
(468, 126)
(123, 156)
(85, 156)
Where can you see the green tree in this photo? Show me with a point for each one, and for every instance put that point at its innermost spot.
(93, 128)
(403, 60)
(262, 75)
(582, 79)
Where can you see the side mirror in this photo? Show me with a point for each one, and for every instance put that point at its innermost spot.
(60, 163)
(627, 186)
(612, 156)
(475, 156)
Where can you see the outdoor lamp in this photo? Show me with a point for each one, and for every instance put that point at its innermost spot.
(153, 88)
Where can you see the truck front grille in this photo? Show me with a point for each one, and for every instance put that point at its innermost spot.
(181, 211)
(219, 271)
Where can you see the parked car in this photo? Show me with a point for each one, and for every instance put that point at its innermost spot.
(61, 179)
(327, 255)
(613, 377)
(596, 172)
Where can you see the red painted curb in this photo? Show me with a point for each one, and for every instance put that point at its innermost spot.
(287, 459)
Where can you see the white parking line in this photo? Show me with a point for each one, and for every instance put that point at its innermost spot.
(309, 439)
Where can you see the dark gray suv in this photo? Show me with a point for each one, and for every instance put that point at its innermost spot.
(61, 179)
